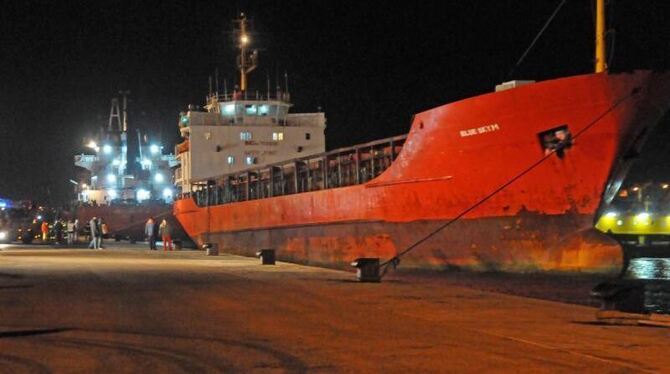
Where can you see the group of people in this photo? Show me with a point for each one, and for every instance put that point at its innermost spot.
(60, 227)
(98, 229)
(152, 231)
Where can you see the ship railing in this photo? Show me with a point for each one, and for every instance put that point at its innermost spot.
(338, 168)
(246, 95)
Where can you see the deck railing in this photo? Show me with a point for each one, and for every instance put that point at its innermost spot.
(338, 168)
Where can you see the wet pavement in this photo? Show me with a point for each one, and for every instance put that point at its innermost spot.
(127, 309)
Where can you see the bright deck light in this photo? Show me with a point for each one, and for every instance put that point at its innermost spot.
(154, 149)
(111, 178)
(107, 149)
(611, 214)
(158, 178)
(167, 193)
(143, 194)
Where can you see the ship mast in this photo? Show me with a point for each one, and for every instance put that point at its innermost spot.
(246, 61)
(601, 65)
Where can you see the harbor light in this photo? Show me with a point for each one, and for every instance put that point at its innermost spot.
(159, 178)
(665, 186)
(244, 39)
(3, 235)
(111, 178)
(93, 145)
(154, 149)
(167, 193)
(643, 219)
(107, 149)
(143, 194)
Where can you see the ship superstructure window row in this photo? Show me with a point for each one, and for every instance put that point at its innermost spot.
(277, 136)
(231, 160)
(245, 135)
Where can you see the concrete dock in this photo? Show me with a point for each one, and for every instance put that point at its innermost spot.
(127, 309)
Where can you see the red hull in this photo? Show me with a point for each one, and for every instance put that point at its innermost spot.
(456, 155)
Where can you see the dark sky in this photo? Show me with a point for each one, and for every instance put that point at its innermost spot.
(369, 64)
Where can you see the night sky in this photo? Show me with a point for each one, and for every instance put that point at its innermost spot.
(369, 65)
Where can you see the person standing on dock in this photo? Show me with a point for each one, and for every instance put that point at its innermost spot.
(150, 232)
(45, 230)
(93, 223)
(164, 230)
(70, 232)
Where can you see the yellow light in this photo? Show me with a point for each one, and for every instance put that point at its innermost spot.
(636, 188)
(244, 39)
(665, 186)
(611, 214)
(643, 219)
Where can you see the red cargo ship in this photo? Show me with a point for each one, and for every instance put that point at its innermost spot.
(519, 176)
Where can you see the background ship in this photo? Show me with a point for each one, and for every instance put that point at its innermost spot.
(511, 180)
(124, 194)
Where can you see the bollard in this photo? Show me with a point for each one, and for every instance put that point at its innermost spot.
(367, 269)
(211, 249)
(267, 256)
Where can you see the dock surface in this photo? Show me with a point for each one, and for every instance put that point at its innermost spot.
(127, 309)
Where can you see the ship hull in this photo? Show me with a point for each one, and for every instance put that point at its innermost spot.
(525, 243)
(480, 162)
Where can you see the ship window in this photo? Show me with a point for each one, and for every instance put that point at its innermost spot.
(556, 140)
(308, 136)
(277, 136)
(231, 160)
(250, 109)
(245, 135)
(251, 160)
(263, 110)
(229, 109)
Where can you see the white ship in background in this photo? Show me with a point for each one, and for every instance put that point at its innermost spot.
(110, 181)
(124, 194)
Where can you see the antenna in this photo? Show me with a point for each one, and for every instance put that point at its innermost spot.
(216, 80)
(246, 61)
(210, 85)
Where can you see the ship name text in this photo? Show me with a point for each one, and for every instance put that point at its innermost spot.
(480, 130)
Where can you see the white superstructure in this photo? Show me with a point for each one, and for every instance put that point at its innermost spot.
(236, 134)
(240, 131)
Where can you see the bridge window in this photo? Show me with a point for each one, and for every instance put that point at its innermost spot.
(250, 109)
(308, 136)
(251, 160)
(231, 160)
(245, 135)
(277, 136)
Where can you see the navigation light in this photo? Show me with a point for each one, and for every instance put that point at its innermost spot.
(143, 194)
